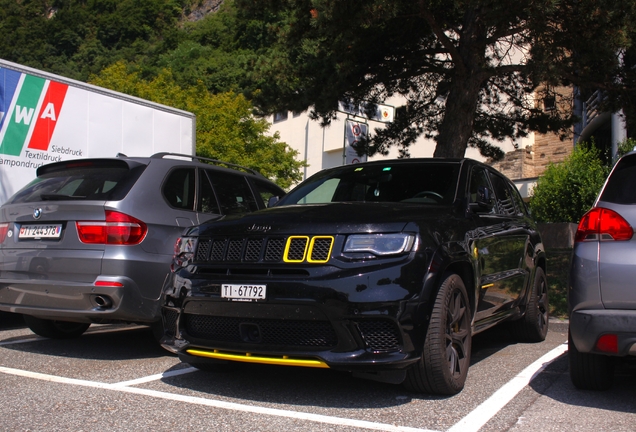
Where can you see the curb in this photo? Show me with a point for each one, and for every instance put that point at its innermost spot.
(559, 324)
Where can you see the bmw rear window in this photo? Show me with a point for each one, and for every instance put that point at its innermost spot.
(104, 180)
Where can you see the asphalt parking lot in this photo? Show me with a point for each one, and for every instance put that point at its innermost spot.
(117, 378)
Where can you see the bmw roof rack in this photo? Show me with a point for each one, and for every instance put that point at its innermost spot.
(206, 160)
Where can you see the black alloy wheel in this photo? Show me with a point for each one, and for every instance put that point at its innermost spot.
(445, 358)
(533, 326)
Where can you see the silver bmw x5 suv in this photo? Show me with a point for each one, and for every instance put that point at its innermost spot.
(91, 240)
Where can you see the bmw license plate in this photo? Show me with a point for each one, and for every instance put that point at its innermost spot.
(243, 292)
(52, 231)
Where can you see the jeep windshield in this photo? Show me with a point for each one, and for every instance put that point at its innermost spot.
(422, 183)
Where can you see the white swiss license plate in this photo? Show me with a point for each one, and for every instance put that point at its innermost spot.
(243, 292)
(40, 231)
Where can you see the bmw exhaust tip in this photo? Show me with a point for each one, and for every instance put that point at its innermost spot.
(103, 302)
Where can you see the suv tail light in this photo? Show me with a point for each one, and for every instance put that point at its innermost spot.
(117, 229)
(4, 228)
(608, 343)
(604, 225)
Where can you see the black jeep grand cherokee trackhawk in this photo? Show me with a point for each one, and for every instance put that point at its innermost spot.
(385, 269)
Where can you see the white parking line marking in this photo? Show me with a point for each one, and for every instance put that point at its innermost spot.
(491, 406)
(53, 378)
(155, 377)
(34, 338)
(472, 422)
(318, 418)
(27, 339)
(115, 329)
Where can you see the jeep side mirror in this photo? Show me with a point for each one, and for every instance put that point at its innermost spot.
(483, 201)
(272, 200)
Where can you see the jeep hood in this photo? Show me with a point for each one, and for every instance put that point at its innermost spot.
(332, 218)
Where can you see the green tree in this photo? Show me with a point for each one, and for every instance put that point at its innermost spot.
(467, 69)
(226, 128)
(624, 147)
(206, 52)
(568, 189)
(75, 38)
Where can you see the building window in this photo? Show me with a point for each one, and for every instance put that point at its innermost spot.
(280, 116)
(549, 103)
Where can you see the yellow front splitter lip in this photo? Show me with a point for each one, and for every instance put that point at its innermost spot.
(255, 358)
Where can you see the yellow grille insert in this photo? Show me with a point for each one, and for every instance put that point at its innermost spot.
(296, 249)
(320, 249)
(255, 358)
(315, 250)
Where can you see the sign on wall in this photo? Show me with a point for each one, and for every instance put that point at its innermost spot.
(354, 131)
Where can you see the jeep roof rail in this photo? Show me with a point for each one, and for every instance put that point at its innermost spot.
(208, 160)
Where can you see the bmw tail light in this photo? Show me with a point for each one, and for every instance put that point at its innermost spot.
(4, 228)
(601, 224)
(117, 229)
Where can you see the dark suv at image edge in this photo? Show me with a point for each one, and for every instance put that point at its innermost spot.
(385, 269)
(91, 240)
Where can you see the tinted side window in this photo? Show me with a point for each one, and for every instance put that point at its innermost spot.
(504, 203)
(479, 181)
(621, 185)
(516, 196)
(207, 198)
(179, 188)
(233, 193)
(266, 191)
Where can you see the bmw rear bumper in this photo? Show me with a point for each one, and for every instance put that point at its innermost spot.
(117, 300)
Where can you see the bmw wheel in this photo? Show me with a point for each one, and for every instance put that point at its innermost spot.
(55, 329)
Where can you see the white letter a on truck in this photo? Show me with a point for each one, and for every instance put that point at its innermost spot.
(49, 112)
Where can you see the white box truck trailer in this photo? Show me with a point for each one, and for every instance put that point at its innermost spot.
(46, 118)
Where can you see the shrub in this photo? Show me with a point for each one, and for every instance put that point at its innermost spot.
(568, 189)
(625, 147)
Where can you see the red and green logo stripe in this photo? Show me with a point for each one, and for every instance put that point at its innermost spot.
(31, 109)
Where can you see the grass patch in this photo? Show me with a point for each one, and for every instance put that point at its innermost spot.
(558, 268)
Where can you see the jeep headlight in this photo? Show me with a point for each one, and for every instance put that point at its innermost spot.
(380, 244)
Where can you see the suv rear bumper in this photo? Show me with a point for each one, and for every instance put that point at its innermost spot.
(587, 326)
(78, 301)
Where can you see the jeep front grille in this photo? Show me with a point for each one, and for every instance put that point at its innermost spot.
(289, 333)
(293, 249)
(380, 335)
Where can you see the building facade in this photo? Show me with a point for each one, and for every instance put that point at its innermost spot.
(525, 159)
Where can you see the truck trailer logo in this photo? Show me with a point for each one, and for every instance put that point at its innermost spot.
(29, 109)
